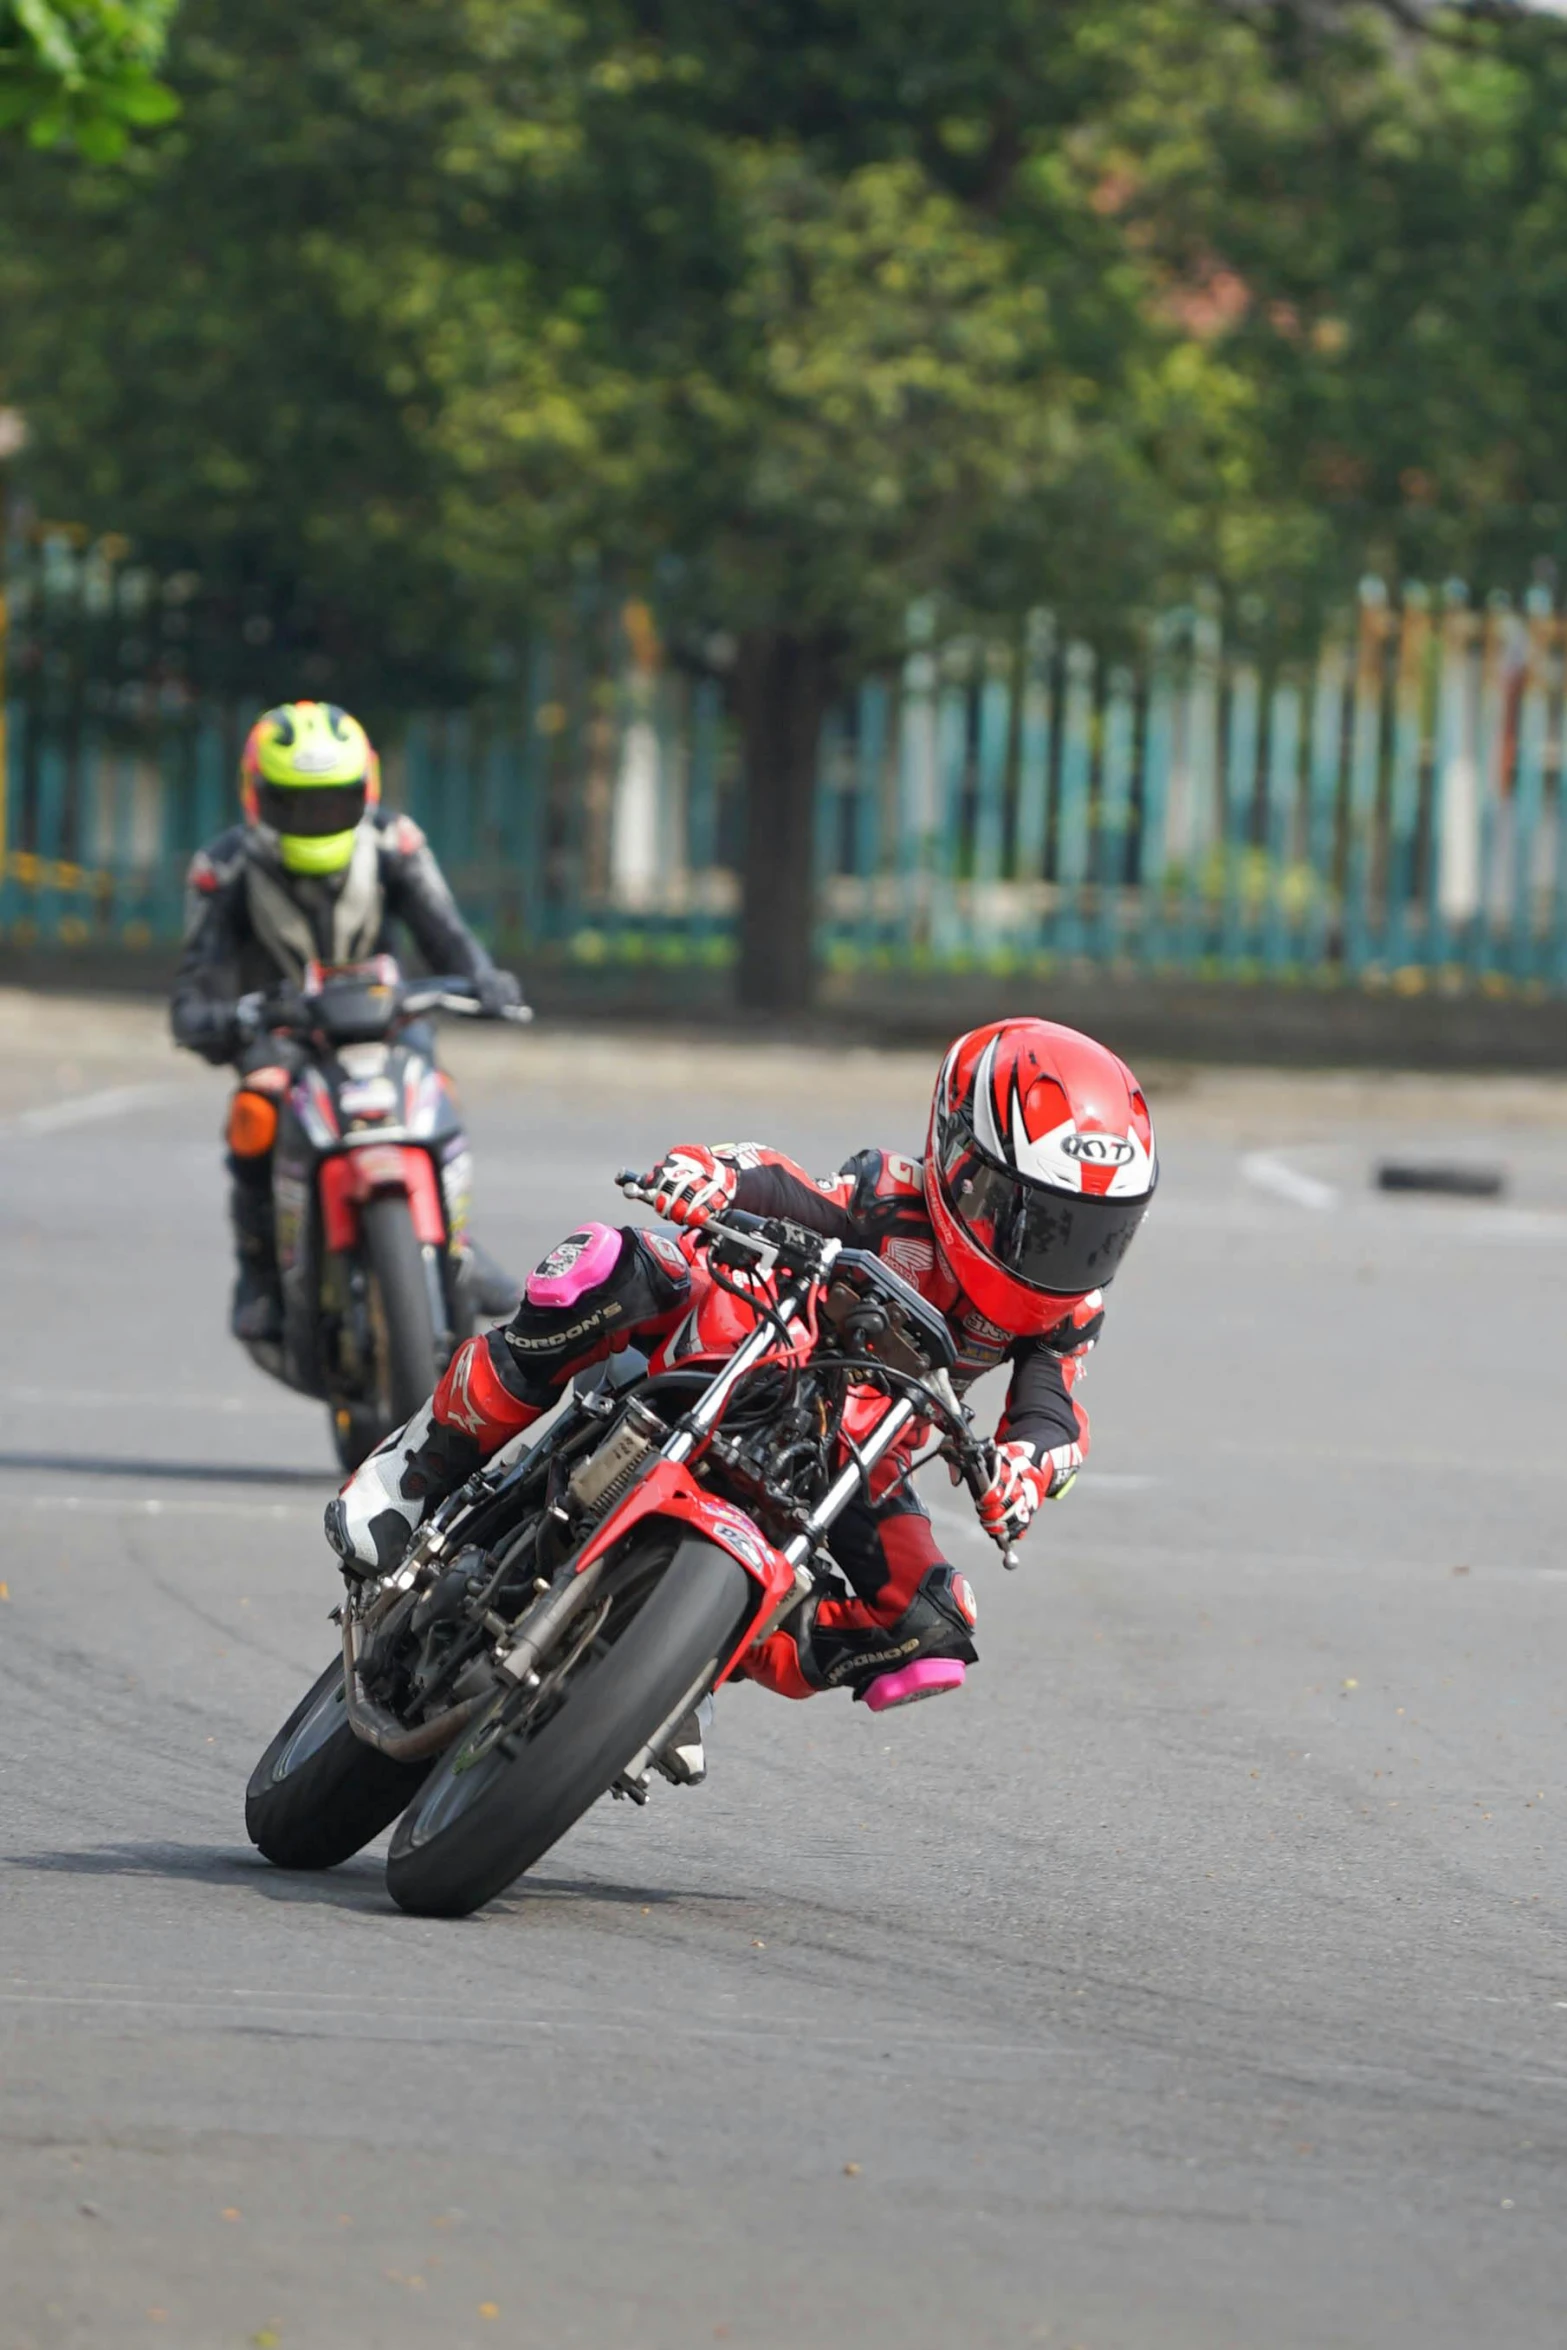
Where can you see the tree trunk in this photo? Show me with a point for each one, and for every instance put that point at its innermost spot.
(783, 684)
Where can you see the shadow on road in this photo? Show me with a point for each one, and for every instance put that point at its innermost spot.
(356, 1884)
(71, 1464)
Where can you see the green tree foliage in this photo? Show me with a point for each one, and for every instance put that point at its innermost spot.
(82, 72)
(798, 310)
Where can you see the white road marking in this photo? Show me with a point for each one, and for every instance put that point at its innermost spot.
(1266, 1172)
(106, 1399)
(87, 1109)
(108, 1505)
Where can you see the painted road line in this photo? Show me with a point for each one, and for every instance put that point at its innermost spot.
(1265, 1171)
(106, 1505)
(153, 1399)
(87, 1109)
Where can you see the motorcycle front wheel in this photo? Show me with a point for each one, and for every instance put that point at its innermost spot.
(666, 1616)
(402, 1313)
(319, 1794)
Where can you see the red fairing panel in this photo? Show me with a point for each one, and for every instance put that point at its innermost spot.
(716, 1324)
(350, 1179)
(670, 1492)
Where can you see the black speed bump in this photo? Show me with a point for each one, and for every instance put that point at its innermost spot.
(1441, 1176)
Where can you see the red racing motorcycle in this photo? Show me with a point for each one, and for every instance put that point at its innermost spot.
(371, 1174)
(558, 1619)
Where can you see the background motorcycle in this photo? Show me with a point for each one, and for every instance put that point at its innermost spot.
(557, 1620)
(371, 1177)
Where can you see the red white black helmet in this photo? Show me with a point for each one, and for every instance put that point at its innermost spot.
(1039, 1169)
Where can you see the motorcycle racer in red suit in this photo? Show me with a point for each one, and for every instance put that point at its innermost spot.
(1039, 1166)
(317, 872)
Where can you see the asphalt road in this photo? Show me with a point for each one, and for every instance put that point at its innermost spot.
(1195, 1981)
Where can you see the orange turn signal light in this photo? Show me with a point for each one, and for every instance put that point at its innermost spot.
(252, 1125)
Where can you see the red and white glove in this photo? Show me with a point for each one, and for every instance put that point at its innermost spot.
(1019, 1483)
(690, 1184)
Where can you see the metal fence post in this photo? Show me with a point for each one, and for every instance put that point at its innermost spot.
(1453, 896)
(1404, 786)
(1283, 792)
(1240, 786)
(1035, 727)
(1072, 833)
(1115, 806)
(1365, 776)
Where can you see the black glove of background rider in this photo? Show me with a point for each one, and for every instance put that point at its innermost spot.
(498, 992)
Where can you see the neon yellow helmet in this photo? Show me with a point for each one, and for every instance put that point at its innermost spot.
(307, 774)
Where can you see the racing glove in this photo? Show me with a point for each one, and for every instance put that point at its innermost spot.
(690, 1184)
(498, 992)
(1020, 1482)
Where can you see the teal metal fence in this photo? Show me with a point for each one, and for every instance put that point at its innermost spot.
(1389, 809)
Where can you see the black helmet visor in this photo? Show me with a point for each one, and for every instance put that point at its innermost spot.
(1065, 1243)
(310, 811)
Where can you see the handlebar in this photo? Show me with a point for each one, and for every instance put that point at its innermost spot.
(291, 1010)
(974, 1456)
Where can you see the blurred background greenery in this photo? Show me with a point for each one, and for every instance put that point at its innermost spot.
(423, 317)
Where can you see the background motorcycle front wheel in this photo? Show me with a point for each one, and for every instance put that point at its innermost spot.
(534, 1761)
(319, 1794)
(405, 1322)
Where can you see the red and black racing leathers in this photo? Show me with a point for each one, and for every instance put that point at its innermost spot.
(902, 1598)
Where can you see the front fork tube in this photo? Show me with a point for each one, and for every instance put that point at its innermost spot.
(704, 1417)
(854, 1479)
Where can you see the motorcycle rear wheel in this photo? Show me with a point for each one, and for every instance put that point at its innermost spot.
(534, 1761)
(319, 1794)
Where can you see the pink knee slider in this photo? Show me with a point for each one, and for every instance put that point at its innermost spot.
(579, 1263)
(928, 1676)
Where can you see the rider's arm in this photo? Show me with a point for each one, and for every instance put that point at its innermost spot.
(417, 893)
(207, 985)
(769, 1184)
(1042, 1410)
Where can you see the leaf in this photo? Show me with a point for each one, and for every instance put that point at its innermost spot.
(51, 38)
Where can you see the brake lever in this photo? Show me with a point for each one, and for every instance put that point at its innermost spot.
(978, 1466)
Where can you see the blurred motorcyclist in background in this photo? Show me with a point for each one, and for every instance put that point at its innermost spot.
(1039, 1166)
(318, 872)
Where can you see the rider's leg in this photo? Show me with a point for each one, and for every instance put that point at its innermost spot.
(257, 1311)
(597, 1290)
(906, 1608)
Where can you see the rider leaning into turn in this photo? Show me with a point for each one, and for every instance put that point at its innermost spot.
(1038, 1170)
(317, 872)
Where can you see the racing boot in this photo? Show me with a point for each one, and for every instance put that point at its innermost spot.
(833, 1643)
(683, 1756)
(387, 1499)
(256, 1316)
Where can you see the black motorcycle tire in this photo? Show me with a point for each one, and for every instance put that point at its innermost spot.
(398, 1270)
(485, 1814)
(319, 1794)
(357, 1428)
